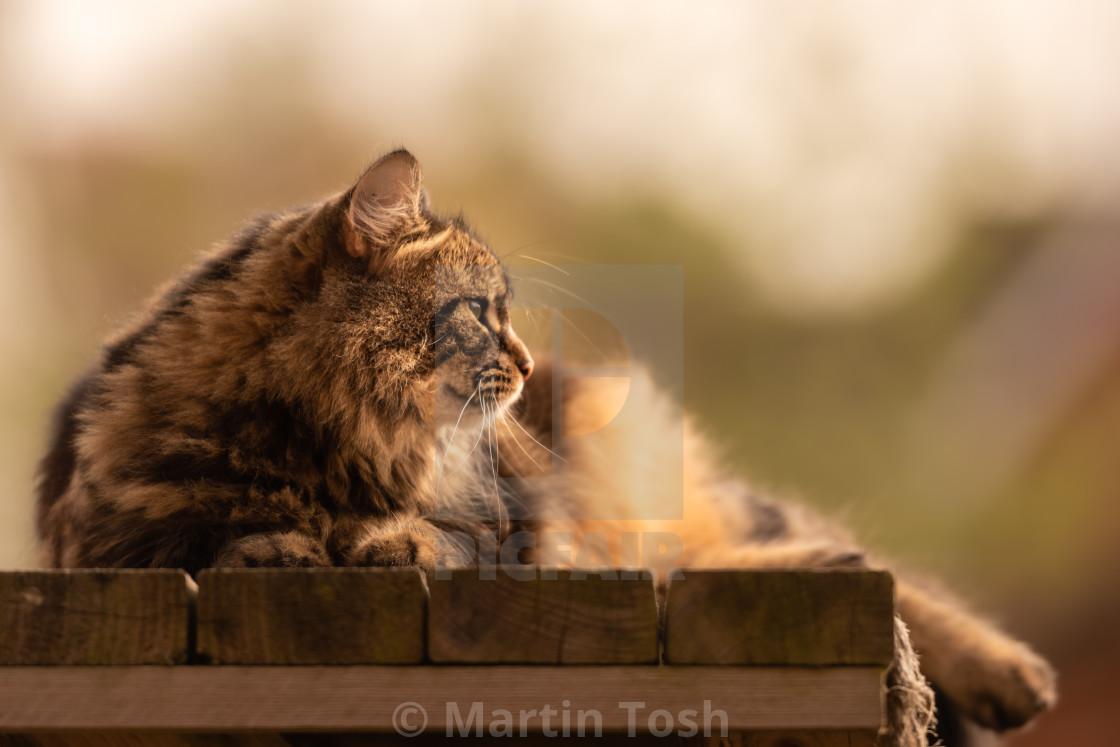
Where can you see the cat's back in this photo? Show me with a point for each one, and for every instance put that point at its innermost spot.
(146, 393)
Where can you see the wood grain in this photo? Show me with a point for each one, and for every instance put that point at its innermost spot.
(562, 619)
(822, 738)
(360, 739)
(64, 617)
(311, 616)
(361, 698)
(780, 618)
(142, 739)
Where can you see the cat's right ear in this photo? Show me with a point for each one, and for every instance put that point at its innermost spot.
(384, 205)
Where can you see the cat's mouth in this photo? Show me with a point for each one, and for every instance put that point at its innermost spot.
(498, 386)
(488, 392)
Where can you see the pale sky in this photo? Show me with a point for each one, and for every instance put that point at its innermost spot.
(837, 146)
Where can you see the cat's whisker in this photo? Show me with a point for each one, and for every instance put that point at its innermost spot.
(573, 259)
(574, 326)
(495, 457)
(562, 289)
(426, 344)
(538, 443)
(505, 422)
(467, 458)
(536, 323)
(578, 330)
(451, 441)
(483, 493)
(549, 264)
(487, 407)
(540, 242)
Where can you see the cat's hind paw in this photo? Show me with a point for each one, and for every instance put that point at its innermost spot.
(1006, 690)
(800, 555)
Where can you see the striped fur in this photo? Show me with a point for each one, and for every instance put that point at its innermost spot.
(294, 382)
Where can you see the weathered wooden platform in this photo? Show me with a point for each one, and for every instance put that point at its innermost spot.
(285, 656)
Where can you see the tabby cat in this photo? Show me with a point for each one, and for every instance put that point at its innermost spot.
(295, 399)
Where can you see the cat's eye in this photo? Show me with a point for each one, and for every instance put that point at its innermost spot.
(476, 307)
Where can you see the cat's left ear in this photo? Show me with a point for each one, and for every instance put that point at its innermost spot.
(385, 203)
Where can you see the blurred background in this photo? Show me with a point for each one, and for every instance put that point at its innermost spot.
(899, 225)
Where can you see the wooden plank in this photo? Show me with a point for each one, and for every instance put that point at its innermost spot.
(142, 739)
(820, 738)
(311, 616)
(557, 619)
(363, 739)
(116, 739)
(87, 616)
(318, 698)
(823, 738)
(781, 618)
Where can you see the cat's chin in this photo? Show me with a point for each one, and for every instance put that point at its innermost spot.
(506, 402)
(455, 408)
(503, 400)
(454, 411)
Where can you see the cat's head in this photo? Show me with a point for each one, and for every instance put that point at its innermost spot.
(413, 310)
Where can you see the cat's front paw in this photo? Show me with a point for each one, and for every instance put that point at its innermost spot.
(275, 550)
(405, 544)
(1006, 687)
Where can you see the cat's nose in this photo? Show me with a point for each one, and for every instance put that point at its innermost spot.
(519, 353)
(526, 366)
